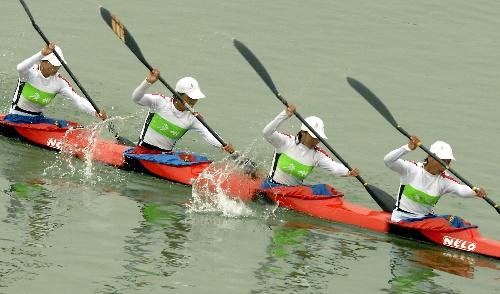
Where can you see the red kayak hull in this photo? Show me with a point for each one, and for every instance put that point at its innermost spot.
(179, 174)
(338, 210)
(79, 141)
(470, 240)
(41, 135)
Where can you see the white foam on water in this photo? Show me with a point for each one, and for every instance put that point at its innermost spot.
(209, 196)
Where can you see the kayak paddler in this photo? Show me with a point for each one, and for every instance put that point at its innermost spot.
(423, 183)
(168, 118)
(296, 156)
(39, 83)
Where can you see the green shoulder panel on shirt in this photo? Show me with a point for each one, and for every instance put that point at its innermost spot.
(419, 196)
(292, 167)
(36, 96)
(166, 128)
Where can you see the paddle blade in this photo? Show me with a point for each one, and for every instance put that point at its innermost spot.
(247, 165)
(384, 200)
(117, 26)
(121, 140)
(256, 64)
(372, 99)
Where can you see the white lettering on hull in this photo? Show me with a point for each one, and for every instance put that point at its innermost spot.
(54, 143)
(459, 244)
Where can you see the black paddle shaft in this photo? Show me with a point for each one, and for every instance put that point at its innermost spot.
(384, 200)
(122, 32)
(111, 127)
(371, 98)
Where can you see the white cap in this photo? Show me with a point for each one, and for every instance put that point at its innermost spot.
(189, 86)
(317, 124)
(442, 150)
(53, 59)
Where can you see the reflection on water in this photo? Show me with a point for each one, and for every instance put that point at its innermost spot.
(411, 277)
(419, 268)
(299, 259)
(29, 213)
(155, 249)
(414, 268)
(31, 201)
(172, 249)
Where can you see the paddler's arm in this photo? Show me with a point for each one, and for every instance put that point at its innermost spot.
(154, 101)
(337, 169)
(392, 159)
(462, 190)
(272, 136)
(25, 65)
(81, 103)
(198, 127)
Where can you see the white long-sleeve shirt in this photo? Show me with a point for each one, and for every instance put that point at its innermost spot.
(165, 124)
(420, 190)
(293, 162)
(34, 91)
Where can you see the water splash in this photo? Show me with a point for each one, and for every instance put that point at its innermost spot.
(223, 185)
(81, 143)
